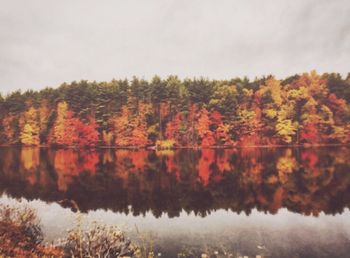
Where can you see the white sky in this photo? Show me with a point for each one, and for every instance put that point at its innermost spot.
(46, 42)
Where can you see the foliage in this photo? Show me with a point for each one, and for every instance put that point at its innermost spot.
(307, 108)
(21, 234)
(165, 144)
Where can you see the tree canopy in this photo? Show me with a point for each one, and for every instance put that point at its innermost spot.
(302, 109)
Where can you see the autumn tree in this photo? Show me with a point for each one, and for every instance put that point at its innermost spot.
(57, 135)
(139, 136)
(8, 124)
(30, 129)
(86, 133)
(190, 135)
(122, 131)
(246, 126)
(220, 130)
(203, 128)
(173, 129)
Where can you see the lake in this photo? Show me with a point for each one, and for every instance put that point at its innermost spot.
(267, 202)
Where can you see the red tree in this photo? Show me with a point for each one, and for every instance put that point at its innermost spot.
(309, 133)
(204, 132)
(87, 133)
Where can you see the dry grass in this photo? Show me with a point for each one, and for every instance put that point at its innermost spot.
(98, 241)
(21, 235)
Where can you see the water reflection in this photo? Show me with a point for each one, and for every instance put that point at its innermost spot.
(306, 181)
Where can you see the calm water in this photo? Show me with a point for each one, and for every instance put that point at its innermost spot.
(286, 202)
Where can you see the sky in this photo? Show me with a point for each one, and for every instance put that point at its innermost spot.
(45, 42)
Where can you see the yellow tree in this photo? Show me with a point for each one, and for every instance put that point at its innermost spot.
(269, 99)
(247, 126)
(273, 88)
(316, 86)
(121, 127)
(30, 129)
(285, 129)
(44, 113)
(285, 126)
(58, 130)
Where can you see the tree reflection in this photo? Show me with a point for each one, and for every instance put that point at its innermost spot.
(308, 181)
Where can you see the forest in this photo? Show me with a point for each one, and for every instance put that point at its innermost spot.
(304, 109)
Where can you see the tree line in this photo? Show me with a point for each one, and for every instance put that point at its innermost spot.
(302, 109)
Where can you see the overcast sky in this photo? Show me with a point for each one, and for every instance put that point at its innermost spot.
(44, 43)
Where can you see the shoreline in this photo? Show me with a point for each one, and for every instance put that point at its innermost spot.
(153, 148)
